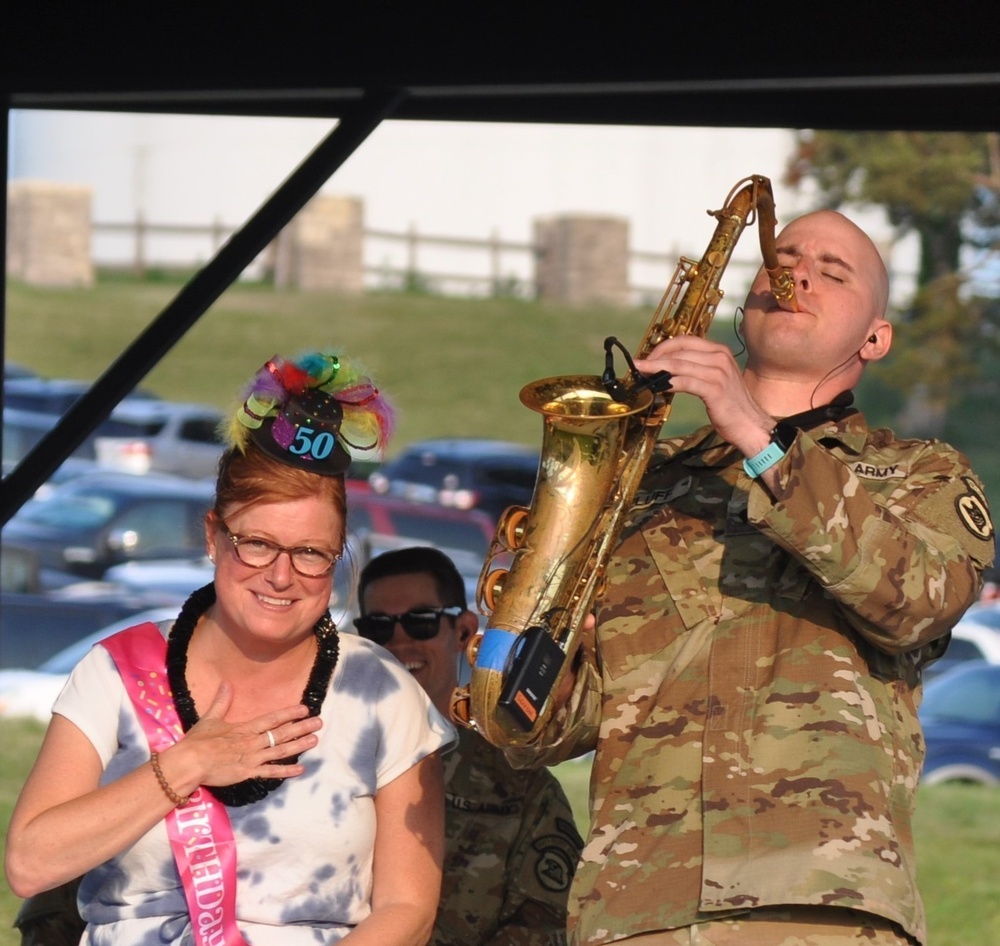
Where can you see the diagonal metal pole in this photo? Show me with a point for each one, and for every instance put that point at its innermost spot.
(195, 298)
(5, 158)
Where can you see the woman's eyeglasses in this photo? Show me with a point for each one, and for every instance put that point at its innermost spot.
(256, 552)
(421, 624)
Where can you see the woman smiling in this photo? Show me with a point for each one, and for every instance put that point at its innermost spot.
(321, 750)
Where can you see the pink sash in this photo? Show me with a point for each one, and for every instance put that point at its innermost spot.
(201, 836)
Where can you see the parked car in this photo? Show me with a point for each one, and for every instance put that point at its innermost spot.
(13, 369)
(34, 626)
(31, 693)
(375, 525)
(140, 435)
(52, 395)
(975, 637)
(986, 614)
(960, 715)
(97, 520)
(464, 533)
(23, 429)
(162, 436)
(21, 432)
(469, 473)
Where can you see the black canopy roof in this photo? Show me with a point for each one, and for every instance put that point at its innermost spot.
(843, 65)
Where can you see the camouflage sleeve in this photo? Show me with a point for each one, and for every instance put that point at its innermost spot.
(540, 868)
(903, 555)
(531, 927)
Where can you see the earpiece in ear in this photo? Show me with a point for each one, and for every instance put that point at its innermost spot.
(873, 338)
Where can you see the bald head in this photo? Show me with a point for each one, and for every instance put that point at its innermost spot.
(864, 256)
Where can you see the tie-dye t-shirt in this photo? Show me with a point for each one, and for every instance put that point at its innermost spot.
(304, 853)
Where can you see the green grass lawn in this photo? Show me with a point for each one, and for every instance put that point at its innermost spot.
(19, 742)
(453, 366)
(957, 836)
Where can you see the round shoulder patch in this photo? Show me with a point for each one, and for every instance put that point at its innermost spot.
(553, 869)
(973, 511)
(557, 854)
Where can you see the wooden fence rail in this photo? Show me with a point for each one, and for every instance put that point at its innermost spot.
(503, 267)
(577, 258)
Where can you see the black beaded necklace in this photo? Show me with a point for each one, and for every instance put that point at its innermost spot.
(327, 651)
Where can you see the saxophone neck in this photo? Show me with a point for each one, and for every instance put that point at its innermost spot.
(780, 277)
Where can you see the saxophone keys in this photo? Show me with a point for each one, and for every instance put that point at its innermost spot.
(512, 527)
(490, 589)
(461, 707)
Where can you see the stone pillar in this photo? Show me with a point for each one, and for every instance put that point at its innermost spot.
(321, 248)
(581, 259)
(48, 233)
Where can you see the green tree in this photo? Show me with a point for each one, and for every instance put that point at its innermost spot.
(945, 188)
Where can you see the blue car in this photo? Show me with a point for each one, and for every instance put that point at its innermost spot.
(960, 715)
(100, 519)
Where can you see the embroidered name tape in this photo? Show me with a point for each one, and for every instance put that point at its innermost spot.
(658, 497)
(871, 471)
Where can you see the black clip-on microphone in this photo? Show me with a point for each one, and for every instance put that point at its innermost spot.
(655, 382)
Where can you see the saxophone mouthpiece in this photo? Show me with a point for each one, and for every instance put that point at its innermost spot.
(783, 288)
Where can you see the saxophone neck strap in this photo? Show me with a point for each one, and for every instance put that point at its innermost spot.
(840, 407)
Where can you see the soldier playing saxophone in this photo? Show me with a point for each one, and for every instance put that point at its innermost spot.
(751, 679)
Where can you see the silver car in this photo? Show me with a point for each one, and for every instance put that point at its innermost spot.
(161, 436)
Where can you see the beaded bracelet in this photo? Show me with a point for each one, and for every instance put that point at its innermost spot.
(154, 761)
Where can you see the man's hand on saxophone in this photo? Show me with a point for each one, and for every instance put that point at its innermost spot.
(709, 371)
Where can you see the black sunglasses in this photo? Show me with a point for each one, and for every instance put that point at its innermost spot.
(421, 624)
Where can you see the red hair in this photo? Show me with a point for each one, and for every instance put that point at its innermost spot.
(249, 477)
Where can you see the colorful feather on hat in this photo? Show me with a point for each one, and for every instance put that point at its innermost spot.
(369, 417)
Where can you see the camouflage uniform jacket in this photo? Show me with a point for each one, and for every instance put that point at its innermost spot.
(511, 846)
(756, 675)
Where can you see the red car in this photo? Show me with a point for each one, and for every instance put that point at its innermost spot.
(462, 533)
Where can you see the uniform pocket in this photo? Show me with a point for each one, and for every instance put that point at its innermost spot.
(652, 604)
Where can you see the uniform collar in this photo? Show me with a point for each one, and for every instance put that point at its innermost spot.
(837, 409)
(851, 432)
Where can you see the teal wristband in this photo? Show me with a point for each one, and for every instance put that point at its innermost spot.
(764, 460)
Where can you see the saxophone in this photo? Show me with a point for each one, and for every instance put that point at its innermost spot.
(546, 563)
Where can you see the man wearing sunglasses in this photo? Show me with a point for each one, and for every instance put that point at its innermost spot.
(511, 842)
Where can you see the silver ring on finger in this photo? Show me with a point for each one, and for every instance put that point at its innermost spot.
(270, 739)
